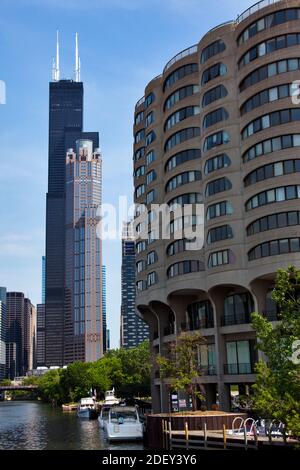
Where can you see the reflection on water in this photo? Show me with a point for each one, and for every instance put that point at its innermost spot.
(33, 425)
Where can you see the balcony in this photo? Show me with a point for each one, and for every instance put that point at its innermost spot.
(235, 319)
(254, 8)
(201, 323)
(208, 370)
(238, 369)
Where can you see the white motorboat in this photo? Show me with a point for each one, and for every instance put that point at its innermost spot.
(110, 398)
(123, 424)
(87, 408)
(103, 415)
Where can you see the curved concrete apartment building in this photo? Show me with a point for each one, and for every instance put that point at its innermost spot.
(219, 127)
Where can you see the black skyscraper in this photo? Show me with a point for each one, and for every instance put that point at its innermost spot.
(65, 127)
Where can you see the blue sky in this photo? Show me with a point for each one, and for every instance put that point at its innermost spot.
(123, 44)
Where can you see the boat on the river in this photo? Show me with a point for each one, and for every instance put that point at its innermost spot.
(103, 416)
(87, 408)
(110, 398)
(123, 424)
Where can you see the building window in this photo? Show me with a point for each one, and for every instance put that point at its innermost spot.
(141, 285)
(182, 157)
(267, 96)
(214, 117)
(152, 279)
(140, 171)
(183, 178)
(181, 115)
(214, 140)
(149, 99)
(238, 357)
(150, 138)
(218, 210)
(176, 247)
(217, 70)
(180, 94)
(214, 94)
(181, 136)
(139, 118)
(238, 309)
(269, 46)
(184, 267)
(217, 186)
(274, 247)
(151, 176)
(141, 246)
(183, 222)
(220, 258)
(180, 73)
(270, 70)
(213, 49)
(272, 170)
(216, 163)
(274, 19)
(200, 315)
(276, 118)
(139, 153)
(272, 145)
(140, 135)
(150, 196)
(189, 198)
(149, 119)
(140, 190)
(283, 193)
(150, 157)
(274, 221)
(151, 258)
(219, 233)
(140, 266)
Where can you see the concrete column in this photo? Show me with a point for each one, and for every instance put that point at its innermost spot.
(224, 396)
(210, 395)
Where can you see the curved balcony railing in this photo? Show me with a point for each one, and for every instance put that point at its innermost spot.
(237, 369)
(140, 101)
(254, 8)
(181, 55)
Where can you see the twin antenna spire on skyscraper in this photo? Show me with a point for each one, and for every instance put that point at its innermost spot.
(55, 62)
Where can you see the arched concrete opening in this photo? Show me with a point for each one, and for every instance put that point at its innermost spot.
(179, 300)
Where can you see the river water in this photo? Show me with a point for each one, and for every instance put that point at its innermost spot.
(34, 425)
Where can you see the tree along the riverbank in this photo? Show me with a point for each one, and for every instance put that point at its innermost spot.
(127, 370)
(277, 387)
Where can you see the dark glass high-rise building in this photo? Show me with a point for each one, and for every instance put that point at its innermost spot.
(133, 330)
(3, 327)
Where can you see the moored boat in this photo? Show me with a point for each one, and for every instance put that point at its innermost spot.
(123, 424)
(103, 416)
(87, 408)
(110, 398)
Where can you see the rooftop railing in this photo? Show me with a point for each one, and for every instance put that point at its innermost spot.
(140, 101)
(254, 8)
(181, 55)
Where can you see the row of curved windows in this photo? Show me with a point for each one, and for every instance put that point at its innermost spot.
(140, 266)
(139, 154)
(151, 258)
(217, 70)
(139, 118)
(140, 135)
(140, 171)
(176, 247)
(214, 140)
(180, 94)
(151, 176)
(150, 138)
(180, 115)
(271, 170)
(219, 258)
(217, 186)
(268, 21)
(214, 117)
(180, 73)
(152, 279)
(270, 70)
(140, 190)
(217, 234)
(269, 46)
(189, 198)
(213, 49)
(141, 286)
(276, 118)
(275, 247)
(218, 210)
(181, 136)
(149, 99)
(216, 163)
(272, 145)
(150, 157)
(273, 221)
(183, 222)
(141, 246)
(182, 157)
(183, 178)
(284, 193)
(214, 94)
(151, 196)
(267, 96)
(149, 119)
(184, 267)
